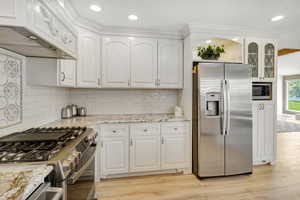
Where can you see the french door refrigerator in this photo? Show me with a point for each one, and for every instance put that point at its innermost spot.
(224, 119)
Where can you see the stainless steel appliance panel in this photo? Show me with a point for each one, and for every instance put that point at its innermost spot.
(238, 139)
(210, 138)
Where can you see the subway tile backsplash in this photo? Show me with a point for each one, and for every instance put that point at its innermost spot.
(122, 101)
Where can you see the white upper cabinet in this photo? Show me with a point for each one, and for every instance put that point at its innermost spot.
(88, 67)
(170, 64)
(67, 72)
(261, 54)
(116, 62)
(143, 63)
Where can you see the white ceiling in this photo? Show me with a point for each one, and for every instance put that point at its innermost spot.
(174, 14)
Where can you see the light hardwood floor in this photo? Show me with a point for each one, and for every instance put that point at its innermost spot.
(279, 182)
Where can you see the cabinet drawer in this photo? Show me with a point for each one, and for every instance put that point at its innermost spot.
(176, 128)
(114, 130)
(144, 130)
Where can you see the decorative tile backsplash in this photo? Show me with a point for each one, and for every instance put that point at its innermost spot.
(10, 90)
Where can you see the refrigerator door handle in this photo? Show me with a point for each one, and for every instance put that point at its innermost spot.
(224, 105)
(228, 106)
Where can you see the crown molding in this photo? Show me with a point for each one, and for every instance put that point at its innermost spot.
(82, 22)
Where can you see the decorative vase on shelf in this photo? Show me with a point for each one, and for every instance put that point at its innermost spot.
(210, 52)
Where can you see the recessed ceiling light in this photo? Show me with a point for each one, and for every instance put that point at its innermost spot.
(95, 8)
(208, 41)
(133, 17)
(277, 18)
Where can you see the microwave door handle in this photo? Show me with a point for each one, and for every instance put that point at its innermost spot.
(224, 106)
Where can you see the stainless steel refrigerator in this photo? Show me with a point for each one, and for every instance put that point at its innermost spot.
(224, 136)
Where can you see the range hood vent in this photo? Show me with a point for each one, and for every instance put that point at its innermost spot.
(23, 42)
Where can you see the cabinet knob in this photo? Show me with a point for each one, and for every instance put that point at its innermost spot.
(175, 129)
(145, 130)
(114, 131)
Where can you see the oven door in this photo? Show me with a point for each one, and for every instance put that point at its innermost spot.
(81, 183)
(262, 91)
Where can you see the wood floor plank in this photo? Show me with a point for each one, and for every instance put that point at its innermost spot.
(279, 182)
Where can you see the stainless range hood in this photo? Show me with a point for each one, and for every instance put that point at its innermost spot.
(22, 41)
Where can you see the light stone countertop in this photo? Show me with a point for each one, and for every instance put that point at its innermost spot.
(19, 181)
(93, 120)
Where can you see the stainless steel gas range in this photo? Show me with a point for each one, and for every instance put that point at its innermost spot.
(70, 150)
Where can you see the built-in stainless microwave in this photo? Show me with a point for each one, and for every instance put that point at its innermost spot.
(261, 91)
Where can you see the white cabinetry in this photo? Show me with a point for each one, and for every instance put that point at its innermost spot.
(67, 72)
(147, 147)
(88, 67)
(170, 64)
(41, 19)
(144, 147)
(262, 55)
(114, 149)
(143, 63)
(50, 72)
(263, 132)
(174, 149)
(116, 62)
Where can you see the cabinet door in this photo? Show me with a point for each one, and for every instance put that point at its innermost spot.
(67, 72)
(174, 152)
(144, 153)
(269, 60)
(170, 64)
(88, 68)
(143, 63)
(116, 62)
(114, 155)
(257, 130)
(253, 57)
(268, 132)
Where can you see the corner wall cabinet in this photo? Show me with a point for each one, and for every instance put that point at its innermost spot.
(263, 132)
(262, 54)
(51, 72)
(143, 148)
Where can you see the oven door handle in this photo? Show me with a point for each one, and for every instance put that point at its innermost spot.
(74, 177)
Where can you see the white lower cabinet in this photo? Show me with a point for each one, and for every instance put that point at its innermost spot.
(143, 147)
(144, 153)
(114, 150)
(263, 132)
(173, 152)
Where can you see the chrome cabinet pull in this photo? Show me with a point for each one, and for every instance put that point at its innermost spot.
(162, 140)
(99, 81)
(131, 142)
(128, 82)
(102, 144)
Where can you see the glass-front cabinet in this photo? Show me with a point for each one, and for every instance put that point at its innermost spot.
(269, 60)
(261, 54)
(253, 58)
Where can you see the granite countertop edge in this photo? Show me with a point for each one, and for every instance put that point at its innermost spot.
(94, 120)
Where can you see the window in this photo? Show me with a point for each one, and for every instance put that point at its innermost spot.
(292, 94)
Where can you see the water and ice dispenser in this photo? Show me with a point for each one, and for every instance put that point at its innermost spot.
(212, 104)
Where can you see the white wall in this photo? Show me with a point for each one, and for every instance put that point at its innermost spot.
(120, 101)
(40, 105)
(287, 65)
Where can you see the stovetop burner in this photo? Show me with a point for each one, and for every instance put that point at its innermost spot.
(36, 144)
